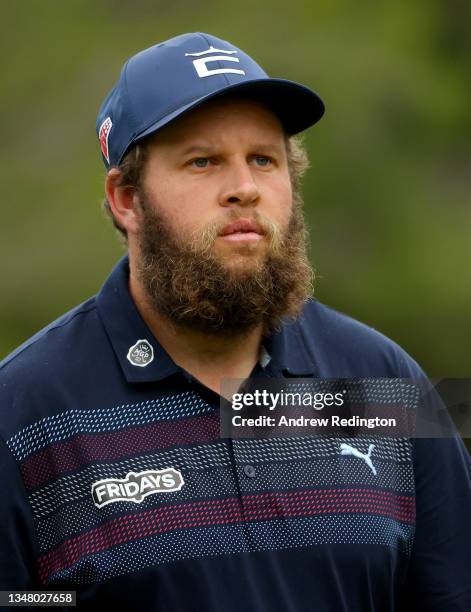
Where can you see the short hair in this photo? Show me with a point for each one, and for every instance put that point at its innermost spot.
(132, 168)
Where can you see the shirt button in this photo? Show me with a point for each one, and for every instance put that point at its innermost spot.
(249, 471)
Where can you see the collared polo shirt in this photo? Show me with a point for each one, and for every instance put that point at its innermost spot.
(116, 482)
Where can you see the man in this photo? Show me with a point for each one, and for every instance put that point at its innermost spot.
(116, 481)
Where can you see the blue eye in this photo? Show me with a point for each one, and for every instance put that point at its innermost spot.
(264, 159)
(200, 159)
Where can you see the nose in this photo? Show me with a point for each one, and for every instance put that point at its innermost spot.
(239, 185)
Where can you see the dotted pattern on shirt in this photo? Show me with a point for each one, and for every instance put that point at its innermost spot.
(250, 508)
(65, 513)
(69, 487)
(73, 454)
(392, 449)
(63, 426)
(215, 455)
(390, 456)
(392, 391)
(233, 539)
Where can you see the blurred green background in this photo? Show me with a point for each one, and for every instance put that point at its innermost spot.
(387, 196)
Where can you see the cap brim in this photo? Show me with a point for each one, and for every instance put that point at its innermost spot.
(297, 106)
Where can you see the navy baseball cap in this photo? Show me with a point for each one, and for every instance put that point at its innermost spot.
(161, 83)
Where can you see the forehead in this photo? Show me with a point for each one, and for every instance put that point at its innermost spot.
(222, 118)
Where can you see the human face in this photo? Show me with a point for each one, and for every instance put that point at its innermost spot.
(190, 271)
(221, 163)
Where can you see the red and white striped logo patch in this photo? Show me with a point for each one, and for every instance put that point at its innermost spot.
(103, 134)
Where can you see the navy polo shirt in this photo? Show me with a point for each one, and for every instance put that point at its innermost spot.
(93, 411)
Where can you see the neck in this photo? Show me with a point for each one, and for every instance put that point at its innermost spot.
(208, 357)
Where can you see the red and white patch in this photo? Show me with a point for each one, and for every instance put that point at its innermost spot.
(103, 134)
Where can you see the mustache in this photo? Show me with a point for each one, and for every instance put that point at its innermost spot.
(202, 240)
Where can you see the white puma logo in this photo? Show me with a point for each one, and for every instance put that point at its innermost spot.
(346, 449)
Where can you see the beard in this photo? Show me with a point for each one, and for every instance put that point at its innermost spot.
(189, 283)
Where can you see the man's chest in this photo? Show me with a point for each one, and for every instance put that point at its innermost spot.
(147, 484)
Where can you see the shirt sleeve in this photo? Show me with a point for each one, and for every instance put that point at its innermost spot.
(439, 576)
(18, 545)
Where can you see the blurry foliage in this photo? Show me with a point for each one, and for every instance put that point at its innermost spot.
(387, 196)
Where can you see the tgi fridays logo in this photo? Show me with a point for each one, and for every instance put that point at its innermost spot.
(136, 486)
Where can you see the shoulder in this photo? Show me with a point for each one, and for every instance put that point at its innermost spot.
(343, 346)
(60, 354)
(48, 340)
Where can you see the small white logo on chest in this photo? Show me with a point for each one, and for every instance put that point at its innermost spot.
(141, 353)
(346, 449)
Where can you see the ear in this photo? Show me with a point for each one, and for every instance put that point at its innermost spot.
(123, 201)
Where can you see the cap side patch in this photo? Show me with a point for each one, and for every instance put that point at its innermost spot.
(103, 134)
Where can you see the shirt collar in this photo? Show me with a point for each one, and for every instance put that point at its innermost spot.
(126, 328)
(287, 349)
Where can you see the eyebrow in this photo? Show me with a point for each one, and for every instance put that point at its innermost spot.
(207, 148)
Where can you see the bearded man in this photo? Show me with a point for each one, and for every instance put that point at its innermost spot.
(118, 484)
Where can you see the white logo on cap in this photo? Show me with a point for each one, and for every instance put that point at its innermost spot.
(200, 64)
(141, 353)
